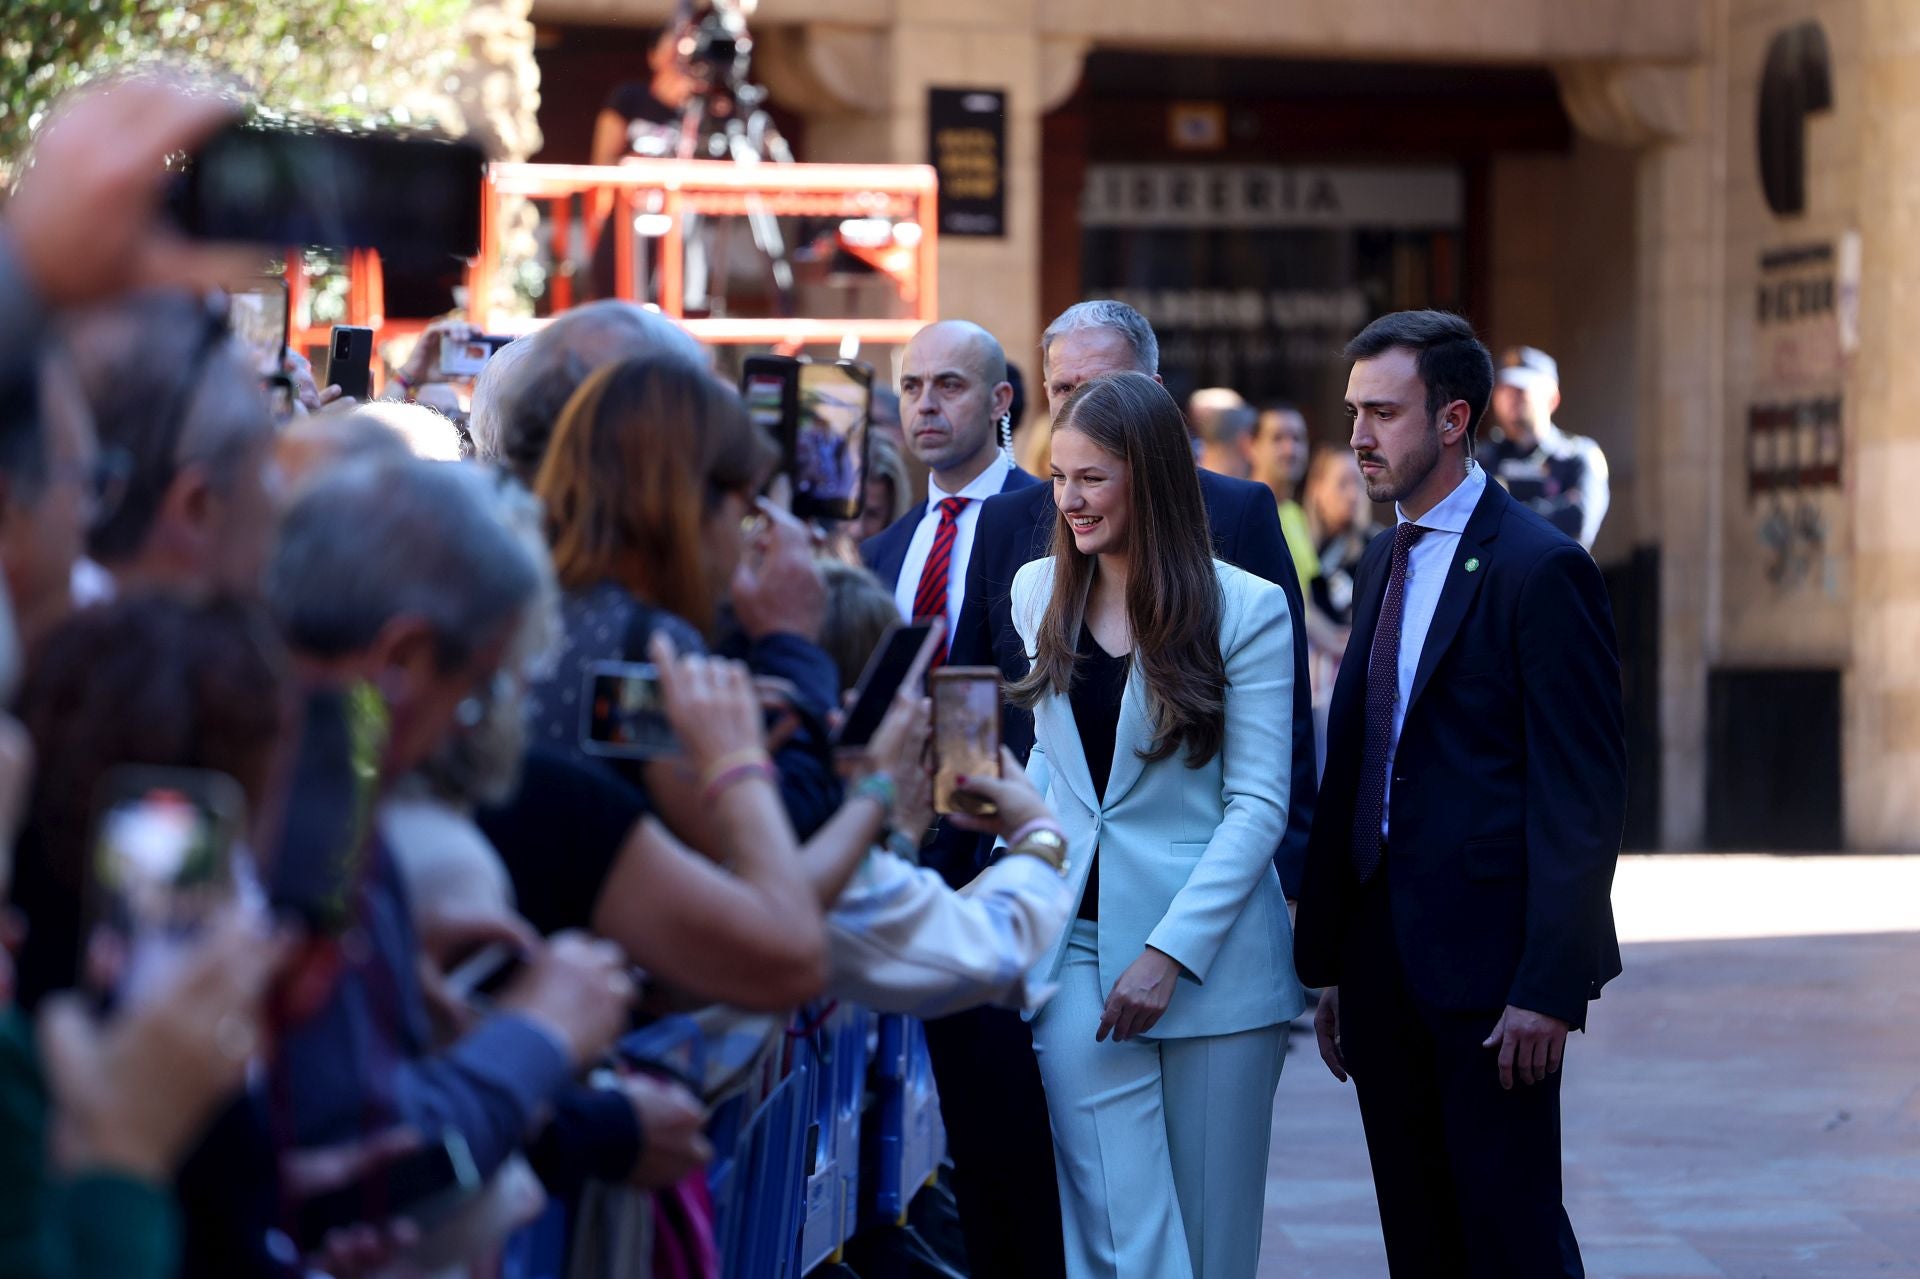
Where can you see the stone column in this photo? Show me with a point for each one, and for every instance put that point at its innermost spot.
(1669, 115)
(1881, 706)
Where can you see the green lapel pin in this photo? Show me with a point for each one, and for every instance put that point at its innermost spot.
(1472, 565)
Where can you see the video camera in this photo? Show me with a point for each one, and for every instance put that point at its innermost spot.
(716, 48)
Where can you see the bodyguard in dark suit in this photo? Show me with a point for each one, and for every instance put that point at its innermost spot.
(953, 392)
(1456, 900)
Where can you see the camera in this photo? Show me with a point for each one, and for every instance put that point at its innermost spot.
(717, 49)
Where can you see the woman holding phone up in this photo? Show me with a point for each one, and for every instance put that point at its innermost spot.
(1161, 687)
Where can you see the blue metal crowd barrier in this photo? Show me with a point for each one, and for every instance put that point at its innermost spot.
(847, 1133)
(909, 1139)
(832, 1190)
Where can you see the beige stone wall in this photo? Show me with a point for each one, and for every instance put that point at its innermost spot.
(1792, 606)
(1882, 741)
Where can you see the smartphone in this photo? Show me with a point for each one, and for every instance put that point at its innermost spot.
(280, 397)
(162, 867)
(257, 314)
(466, 359)
(326, 811)
(886, 671)
(425, 1186)
(416, 199)
(479, 978)
(623, 715)
(818, 412)
(966, 735)
(350, 361)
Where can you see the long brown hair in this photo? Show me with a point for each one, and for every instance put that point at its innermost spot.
(642, 454)
(1173, 594)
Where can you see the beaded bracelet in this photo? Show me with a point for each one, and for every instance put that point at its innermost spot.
(879, 788)
(904, 846)
(719, 786)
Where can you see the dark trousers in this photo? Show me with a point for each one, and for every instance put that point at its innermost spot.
(996, 1117)
(1468, 1175)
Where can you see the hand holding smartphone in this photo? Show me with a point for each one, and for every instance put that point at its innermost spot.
(162, 869)
(625, 716)
(818, 412)
(895, 658)
(966, 735)
(350, 361)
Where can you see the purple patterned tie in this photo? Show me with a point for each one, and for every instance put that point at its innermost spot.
(1383, 689)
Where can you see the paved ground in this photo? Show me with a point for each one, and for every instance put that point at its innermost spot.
(1746, 1105)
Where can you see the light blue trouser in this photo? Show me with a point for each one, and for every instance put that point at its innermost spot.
(1160, 1145)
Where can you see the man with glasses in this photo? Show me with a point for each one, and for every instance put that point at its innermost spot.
(174, 394)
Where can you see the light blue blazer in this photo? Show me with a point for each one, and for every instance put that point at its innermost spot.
(1186, 854)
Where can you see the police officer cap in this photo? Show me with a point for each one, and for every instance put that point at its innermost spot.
(1528, 366)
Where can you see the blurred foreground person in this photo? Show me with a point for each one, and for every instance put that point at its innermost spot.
(406, 640)
(179, 406)
(150, 681)
(649, 485)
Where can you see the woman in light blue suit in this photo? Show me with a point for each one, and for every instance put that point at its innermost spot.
(1162, 687)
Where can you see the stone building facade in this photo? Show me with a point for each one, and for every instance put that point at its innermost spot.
(1708, 210)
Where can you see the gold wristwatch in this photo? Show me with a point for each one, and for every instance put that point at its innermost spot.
(1050, 846)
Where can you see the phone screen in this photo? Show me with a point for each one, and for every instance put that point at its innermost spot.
(258, 317)
(467, 359)
(830, 439)
(162, 868)
(765, 392)
(966, 734)
(624, 715)
(885, 672)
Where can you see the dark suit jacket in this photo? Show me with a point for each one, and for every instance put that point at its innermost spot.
(1509, 784)
(1246, 532)
(885, 553)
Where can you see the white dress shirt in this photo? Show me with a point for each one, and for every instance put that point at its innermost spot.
(985, 485)
(1427, 565)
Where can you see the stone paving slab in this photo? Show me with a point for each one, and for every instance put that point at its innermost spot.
(1746, 1104)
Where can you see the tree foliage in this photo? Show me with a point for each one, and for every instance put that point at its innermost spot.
(371, 60)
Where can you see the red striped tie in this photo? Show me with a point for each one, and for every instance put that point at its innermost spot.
(930, 598)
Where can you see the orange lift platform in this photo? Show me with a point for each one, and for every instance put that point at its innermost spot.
(887, 213)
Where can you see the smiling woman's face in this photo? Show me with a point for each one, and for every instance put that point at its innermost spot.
(1090, 486)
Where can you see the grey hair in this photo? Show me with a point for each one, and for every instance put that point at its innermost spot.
(497, 384)
(512, 423)
(135, 357)
(1108, 313)
(428, 434)
(371, 541)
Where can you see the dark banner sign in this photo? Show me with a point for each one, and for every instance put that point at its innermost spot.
(967, 143)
